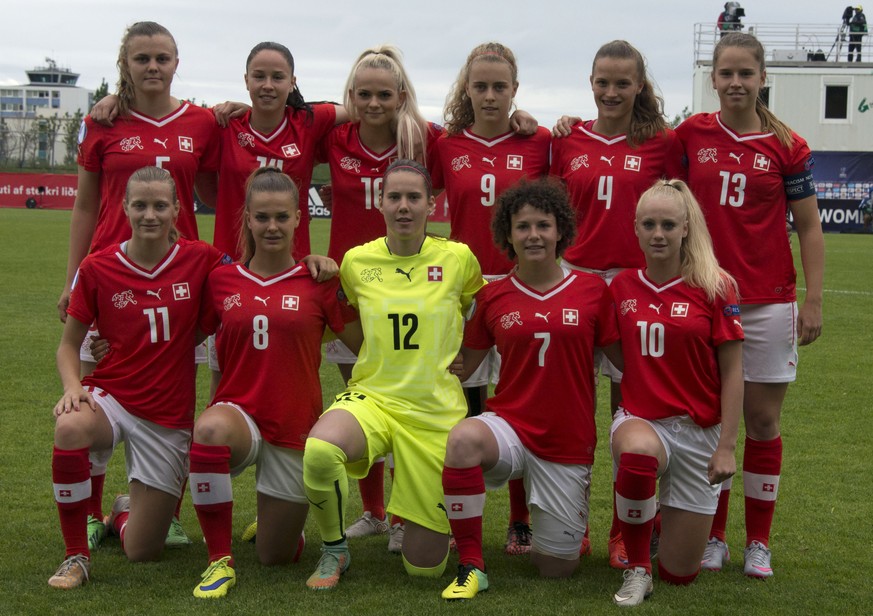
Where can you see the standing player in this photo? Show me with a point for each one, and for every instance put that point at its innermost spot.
(144, 294)
(606, 164)
(539, 425)
(153, 128)
(270, 316)
(385, 124)
(748, 169)
(280, 130)
(411, 290)
(479, 157)
(681, 339)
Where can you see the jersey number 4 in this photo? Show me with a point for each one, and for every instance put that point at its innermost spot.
(401, 322)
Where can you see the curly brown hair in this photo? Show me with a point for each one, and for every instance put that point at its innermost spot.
(545, 194)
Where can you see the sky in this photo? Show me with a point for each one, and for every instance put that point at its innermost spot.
(554, 41)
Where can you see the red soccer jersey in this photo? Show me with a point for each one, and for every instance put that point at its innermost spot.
(740, 183)
(605, 178)
(291, 148)
(546, 343)
(150, 319)
(268, 340)
(183, 143)
(669, 335)
(474, 171)
(356, 184)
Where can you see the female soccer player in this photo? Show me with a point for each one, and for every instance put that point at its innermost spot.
(270, 316)
(385, 124)
(748, 168)
(153, 128)
(606, 164)
(411, 290)
(539, 425)
(479, 157)
(681, 340)
(144, 295)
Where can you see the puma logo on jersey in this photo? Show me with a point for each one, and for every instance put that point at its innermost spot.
(544, 317)
(154, 293)
(262, 299)
(375, 169)
(163, 143)
(736, 157)
(656, 308)
(407, 274)
(490, 161)
(571, 535)
(738, 324)
(608, 161)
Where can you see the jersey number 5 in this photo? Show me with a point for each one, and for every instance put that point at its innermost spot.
(410, 323)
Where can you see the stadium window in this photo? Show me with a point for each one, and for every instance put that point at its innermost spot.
(836, 103)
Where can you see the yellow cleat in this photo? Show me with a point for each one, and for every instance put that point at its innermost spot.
(218, 578)
(470, 582)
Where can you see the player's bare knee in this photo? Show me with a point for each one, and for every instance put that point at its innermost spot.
(73, 431)
(211, 430)
(553, 565)
(464, 445)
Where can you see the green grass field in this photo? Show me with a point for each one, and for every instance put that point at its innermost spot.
(821, 540)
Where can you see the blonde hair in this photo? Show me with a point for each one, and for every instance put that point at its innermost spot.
(647, 117)
(698, 264)
(263, 179)
(459, 108)
(769, 122)
(409, 124)
(124, 89)
(147, 175)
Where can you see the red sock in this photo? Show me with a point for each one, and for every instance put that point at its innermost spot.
(119, 526)
(71, 477)
(676, 580)
(212, 495)
(762, 464)
(95, 503)
(464, 490)
(635, 502)
(178, 511)
(719, 520)
(518, 511)
(396, 519)
(615, 529)
(372, 489)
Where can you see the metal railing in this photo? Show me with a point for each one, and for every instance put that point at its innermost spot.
(785, 42)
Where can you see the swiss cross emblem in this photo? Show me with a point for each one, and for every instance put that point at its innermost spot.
(761, 163)
(435, 273)
(290, 302)
(769, 487)
(180, 291)
(679, 309)
(186, 144)
(632, 163)
(457, 506)
(515, 162)
(65, 493)
(291, 150)
(203, 487)
(571, 316)
(634, 513)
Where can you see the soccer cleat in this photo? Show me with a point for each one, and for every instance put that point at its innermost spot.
(617, 552)
(367, 525)
(332, 564)
(468, 584)
(218, 578)
(757, 561)
(517, 539)
(96, 532)
(176, 537)
(72, 573)
(715, 555)
(636, 588)
(395, 538)
(251, 532)
(120, 505)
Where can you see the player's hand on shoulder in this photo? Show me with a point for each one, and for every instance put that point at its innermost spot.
(63, 304)
(223, 112)
(105, 110)
(523, 123)
(321, 268)
(564, 126)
